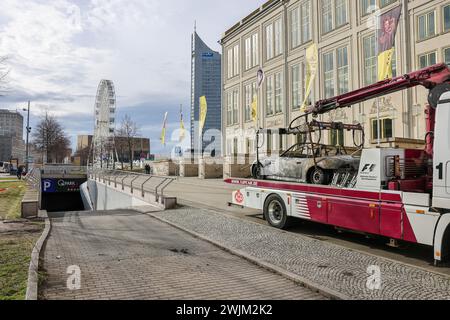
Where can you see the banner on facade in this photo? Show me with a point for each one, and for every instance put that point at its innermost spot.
(312, 61)
(255, 108)
(387, 29)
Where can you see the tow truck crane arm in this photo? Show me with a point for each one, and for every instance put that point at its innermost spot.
(436, 77)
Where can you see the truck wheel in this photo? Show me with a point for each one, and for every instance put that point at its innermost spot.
(275, 212)
(318, 176)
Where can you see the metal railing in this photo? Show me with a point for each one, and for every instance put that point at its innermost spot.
(63, 169)
(33, 178)
(143, 183)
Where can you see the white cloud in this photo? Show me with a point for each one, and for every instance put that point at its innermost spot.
(60, 50)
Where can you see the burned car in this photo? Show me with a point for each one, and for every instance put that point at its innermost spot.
(308, 160)
(303, 168)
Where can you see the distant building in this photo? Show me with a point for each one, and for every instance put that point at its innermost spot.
(11, 136)
(84, 142)
(205, 81)
(141, 149)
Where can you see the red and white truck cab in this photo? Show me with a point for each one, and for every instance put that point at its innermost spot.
(399, 194)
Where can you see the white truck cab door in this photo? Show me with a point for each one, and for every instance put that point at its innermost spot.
(441, 176)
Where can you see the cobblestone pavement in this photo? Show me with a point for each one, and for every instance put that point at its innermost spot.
(125, 255)
(331, 266)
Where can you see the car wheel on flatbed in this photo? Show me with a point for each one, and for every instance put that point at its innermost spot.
(256, 172)
(319, 176)
(275, 212)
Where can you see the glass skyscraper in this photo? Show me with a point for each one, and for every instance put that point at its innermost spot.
(206, 81)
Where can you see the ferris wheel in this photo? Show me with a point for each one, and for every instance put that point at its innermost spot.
(105, 121)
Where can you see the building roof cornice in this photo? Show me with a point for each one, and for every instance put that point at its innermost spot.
(266, 8)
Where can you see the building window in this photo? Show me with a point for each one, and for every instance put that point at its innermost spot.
(337, 138)
(447, 56)
(306, 21)
(370, 60)
(296, 38)
(342, 70)
(230, 63)
(300, 24)
(278, 41)
(387, 129)
(233, 107)
(269, 42)
(251, 52)
(255, 49)
(274, 39)
(269, 96)
(278, 93)
(328, 67)
(236, 60)
(427, 25)
(250, 92)
(427, 59)
(446, 18)
(341, 12)
(334, 14)
(296, 87)
(384, 3)
(367, 6)
(274, 94)
(336, 72)
(233, 61)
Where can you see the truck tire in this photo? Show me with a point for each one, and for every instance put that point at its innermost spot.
(275, 212)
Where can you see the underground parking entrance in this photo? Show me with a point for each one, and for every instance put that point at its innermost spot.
(62, 194)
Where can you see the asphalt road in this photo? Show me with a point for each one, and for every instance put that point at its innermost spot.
(130, 256)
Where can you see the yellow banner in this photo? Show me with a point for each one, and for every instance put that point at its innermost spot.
(163, 133)
(385, 64)
(203, 112)
(182, 131)
(255, 108)
(312, 61)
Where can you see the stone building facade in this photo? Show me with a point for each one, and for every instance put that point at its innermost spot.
(275, 36)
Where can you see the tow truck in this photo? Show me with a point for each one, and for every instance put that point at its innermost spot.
(399, 194)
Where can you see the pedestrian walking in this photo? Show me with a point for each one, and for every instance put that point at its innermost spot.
(19, 173)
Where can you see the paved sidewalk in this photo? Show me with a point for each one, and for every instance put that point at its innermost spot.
(126, 255)
(328, 265)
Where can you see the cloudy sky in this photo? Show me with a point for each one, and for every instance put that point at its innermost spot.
(59, 50)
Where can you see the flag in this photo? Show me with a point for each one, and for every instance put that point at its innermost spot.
(203, 112)
(182, 128)
(312, 60)
(387, 29)
(260, 77)
(163, 133)
(255, 108)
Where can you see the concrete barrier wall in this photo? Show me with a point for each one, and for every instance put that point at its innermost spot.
(105, 197)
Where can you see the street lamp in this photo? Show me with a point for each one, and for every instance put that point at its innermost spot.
(27, 160)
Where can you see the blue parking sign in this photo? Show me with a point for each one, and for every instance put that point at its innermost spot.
(48, 185)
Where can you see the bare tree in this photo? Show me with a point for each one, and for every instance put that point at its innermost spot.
(50, 138)
(126, 137)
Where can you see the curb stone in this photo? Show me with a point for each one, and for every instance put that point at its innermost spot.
(329, 293)
(33, 275)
